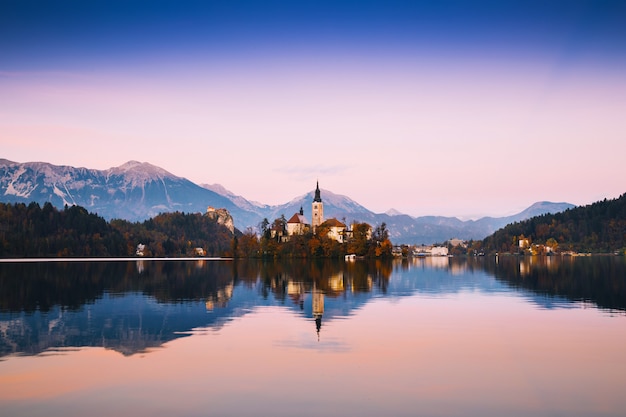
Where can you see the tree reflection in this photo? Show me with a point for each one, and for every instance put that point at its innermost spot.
(598, 279)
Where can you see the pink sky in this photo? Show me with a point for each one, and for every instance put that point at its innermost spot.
(465, 115)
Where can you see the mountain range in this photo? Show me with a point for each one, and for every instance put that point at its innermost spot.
(136, 191)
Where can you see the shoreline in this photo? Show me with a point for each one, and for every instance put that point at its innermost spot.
(114, 259)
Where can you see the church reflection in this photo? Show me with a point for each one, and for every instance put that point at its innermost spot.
(308, 286)
(220, 298)
(318, 309)
(297, 293)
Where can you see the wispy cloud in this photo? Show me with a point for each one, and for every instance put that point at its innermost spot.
(306, 172)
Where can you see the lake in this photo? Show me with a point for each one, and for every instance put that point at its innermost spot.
(541, 336)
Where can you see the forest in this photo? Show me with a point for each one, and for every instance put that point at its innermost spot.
(596, 228)
(32, 231)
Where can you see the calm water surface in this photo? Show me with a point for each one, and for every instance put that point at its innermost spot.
(429, 337)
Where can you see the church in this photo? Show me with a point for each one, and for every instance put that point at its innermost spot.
(297, 224)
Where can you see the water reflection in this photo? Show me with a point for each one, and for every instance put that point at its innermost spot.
(600, 280)
(134, 306)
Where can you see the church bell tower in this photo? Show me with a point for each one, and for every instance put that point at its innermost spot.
(317, 209)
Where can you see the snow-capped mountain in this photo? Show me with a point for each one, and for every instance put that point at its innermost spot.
(335, 205)
(136, 191)
(393, 212)
(239, 201)
(133, 191)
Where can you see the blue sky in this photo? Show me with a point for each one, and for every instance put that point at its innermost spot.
(78, 34)
(458, 108)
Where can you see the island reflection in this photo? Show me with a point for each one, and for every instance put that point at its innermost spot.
(132, 307)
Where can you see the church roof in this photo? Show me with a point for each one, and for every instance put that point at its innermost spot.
(333, 223)
(297, 218)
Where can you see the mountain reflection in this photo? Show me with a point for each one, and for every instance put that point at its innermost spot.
(135, 306)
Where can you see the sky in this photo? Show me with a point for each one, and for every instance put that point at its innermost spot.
(456, 108)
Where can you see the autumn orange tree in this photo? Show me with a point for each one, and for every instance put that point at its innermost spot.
(358, 243)
(247, 244)
(381, 245)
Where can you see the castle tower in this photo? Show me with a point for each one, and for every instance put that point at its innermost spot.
(317, 209)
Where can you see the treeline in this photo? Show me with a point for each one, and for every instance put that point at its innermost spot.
(598, 227)
(35, 231)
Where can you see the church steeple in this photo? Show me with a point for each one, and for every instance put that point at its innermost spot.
(317, 198)
(317, 209)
